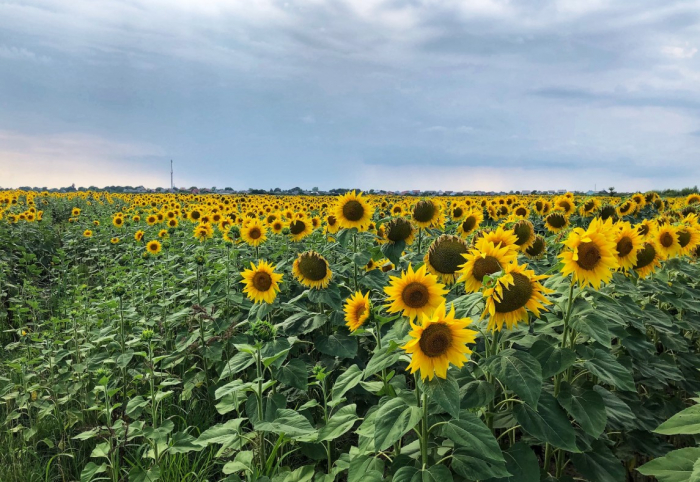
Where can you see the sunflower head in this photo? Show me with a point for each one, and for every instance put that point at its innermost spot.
(414, 293)
(525, 232)
(426, 213)
(470, 223)
(153, 247)
(357, 310)
(445, 257)
(667, 241)
(312, 270)
(439, 341)
(87, 233)
(353, 211)
(556, 221)
(538, 248)
(299, 228)
(399, 229)
(648, 260)
(253, 233)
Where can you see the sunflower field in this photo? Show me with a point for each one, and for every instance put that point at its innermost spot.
(354, 338)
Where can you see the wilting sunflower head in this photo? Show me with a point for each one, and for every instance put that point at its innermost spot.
(357, 310)
(426, 213)
(399, 229)
(525, 232)
(484, 260)
(538, 248)
(153, 247)
(607, 212)
(445, 257)
(648, 260)
(590, 257)
(312, 270)
(512, 295)
(414, 293)
(692, 199)
(261, 282)
(439, 340)
(556, 221)
(353, 211)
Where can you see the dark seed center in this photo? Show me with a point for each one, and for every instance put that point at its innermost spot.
(556, 220)
(485, 266)
(588, 255)
(255, 233)
(262, 281)
(515, 296)
(424, 211)
(398, 230)
(353, 210)
(446, 255)
(435, 340)
(645, 256)
(624, 247)
(296, 227)
(683, 238)
(312, 268)
(524, 233)
(469, 224)
(666, 240)
(415, 295)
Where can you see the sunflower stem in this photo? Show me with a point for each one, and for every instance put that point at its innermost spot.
(420, 239)
(354, 264)
(424, 432)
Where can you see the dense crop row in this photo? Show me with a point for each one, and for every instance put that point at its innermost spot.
(360, 338)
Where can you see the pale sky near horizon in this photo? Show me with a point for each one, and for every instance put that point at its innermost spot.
(383, 94)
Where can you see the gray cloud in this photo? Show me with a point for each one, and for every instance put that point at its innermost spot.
(359, 93)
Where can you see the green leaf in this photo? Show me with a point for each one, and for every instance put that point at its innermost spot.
(585, 406)
(346, 381)
(522, 463)
(294, 374)
(473, 438)
(548, 424)
(365, 468)
(302, 474)
(393, 420)
(599, 464)
(339, 423)
(220, 433)
(137, 474)
(382, 359)
(605, 366)
(676, 466)
(243, 461)
(618, 411)
(288, 422)
(182, 443)
(239, 362)
(393, 251)
(135, 406)
(302, 323)
(594, 324)
(519, 371)
(90, 470)
(445, 392)
(476, 469)
(553, 359)
(685, 422)
(339, 344)
(476, 394)
(434, 473)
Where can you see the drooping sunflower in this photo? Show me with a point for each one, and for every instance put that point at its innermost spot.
(514, 294)
(589, 207)
(261, 282)
(542, 206)
(439, 340)
(312, 270)
(472, 220)
(445, 256)
(300, 228)
(666, 241)
(357, 310)
(153, 247)
(608, 212)
(556, 221)
(397, 230)
(203, 232)
(525, 232)
(427, 213)
(691, 199)
(353, 211)
(538, 248)
(414, 293)
(253, 233)
(482, 261)
(648, 260)
(628, 242)
(591, 256)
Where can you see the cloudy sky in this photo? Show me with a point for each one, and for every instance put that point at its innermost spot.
(395, 94)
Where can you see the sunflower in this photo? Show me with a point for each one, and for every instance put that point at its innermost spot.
(118, 221)
(414, 293)
(332, 224)
(689, 235)
(589, 207)
(564, 205)
(75, 212)
(628, 242)
(173, 223)
(397, 230)
(114, 240)
(666, 241)
(87, 233)
(261, 282)
(482, 261)
(627, 208)
(648, 260)
(153, 247)
(136, 218)
(163, 233)
(203, 232)
(253, 233)
(521, 212)
(357, 310)
(691, 199)
(300, 228)
(542, 206)
(538, 248)
(591, 256)
(470, 223)
(138, 235)
(512, 295)
(151, 219)
(445, 256)
(427, 213)
(645, 228)
(440, 340)
(312, 270)
(353, 211)
(556, 222)
(504, 237)
(525, 232)
(608, 212)
(457, 212)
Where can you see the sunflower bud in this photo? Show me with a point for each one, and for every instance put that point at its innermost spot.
(263, 331)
